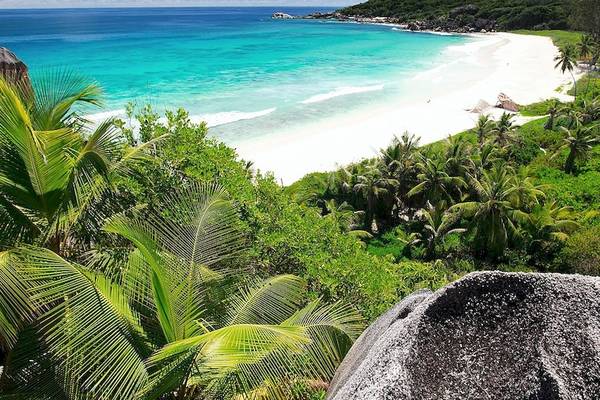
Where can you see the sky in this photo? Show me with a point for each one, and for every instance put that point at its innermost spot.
(167, 3)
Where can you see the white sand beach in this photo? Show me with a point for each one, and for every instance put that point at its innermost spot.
(518, 65)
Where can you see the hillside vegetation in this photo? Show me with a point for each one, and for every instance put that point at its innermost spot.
(157, 264)
(508, 14)
(559, 37)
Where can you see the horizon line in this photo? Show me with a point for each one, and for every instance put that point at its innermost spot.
(168, 6)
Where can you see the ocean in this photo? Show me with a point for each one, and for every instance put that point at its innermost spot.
(244, 73)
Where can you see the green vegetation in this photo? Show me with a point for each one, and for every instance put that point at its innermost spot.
(560, 38)
(509, 14)
(500, 195)
(108, 296)
(156, 264)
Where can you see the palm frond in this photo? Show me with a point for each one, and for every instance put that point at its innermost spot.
(82, 327)
(268, 302)
(57, 94)
(15, 307)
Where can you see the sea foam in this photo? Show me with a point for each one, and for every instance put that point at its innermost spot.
(342, 91)
(211, 120)
(223, 118)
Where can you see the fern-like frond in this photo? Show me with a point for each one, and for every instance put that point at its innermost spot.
(85, 328)
(271, 301)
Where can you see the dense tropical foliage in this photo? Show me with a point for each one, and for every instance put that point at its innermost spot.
(511, 14)
(496, 195)
(141, 258)
(108, 297)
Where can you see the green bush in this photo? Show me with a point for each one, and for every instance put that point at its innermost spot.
(588, 87)
(581, 253)
(582, 192)
(392, 243)
(536, 109)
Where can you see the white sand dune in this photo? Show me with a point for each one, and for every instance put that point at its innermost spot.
(520, 66)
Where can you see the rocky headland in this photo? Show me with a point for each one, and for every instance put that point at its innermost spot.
(460, 20)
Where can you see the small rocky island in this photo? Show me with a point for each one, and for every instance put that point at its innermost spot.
(282, 15)
(459, 20)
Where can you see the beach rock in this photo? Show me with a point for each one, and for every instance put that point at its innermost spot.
(12, 69)
(362, 347)
(507, 103)
(460, 20)
(489, 335)
(481, 107)
(415, 26)
(482, 23)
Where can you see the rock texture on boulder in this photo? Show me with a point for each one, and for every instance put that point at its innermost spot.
(507, 103)
(12, 69)
(490, 335)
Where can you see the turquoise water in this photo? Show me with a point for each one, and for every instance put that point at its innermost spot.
(241, 71)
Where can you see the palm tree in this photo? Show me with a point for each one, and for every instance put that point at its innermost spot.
(344, 215)
(578, 142)
(484, 127)
(372, 185)
(553, 111)
(399, 152)
(590, 111)
(566, 60)
(485, 158)
(398, 163)
(459, 159)
(434, 182)
(526, 194)
(341, 182)
(551, 222)
(491, 213)
(171, 320)
(586, 46)
(53, 163)
(437, 226)
(571, 113)
(504, 130)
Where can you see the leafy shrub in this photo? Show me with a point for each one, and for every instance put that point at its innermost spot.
(588, 87)
(419, 275)
(581, 192)
(537, 109)
(581, 253)
(392, 243)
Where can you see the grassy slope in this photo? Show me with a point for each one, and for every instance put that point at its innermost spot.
(559, 37)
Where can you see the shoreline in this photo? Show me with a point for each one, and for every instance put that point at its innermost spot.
(519, 65)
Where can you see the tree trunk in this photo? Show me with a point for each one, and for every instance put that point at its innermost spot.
(430, 253)
(550, 123)
(54, 244)
(574, 85)
(587, 87)
(369, 214)
(570, 163)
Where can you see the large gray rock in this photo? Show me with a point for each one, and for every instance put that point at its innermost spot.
(490, 335)
(11, 68)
